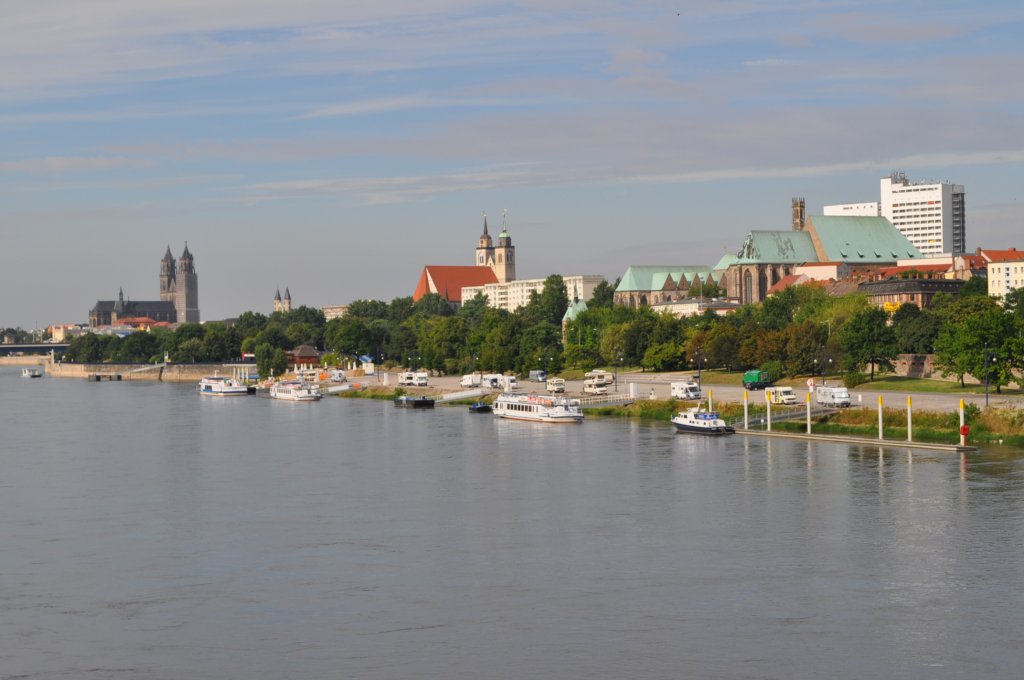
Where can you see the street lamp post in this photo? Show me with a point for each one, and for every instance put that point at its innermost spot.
(700, 366)
(617, 362)
(988, 357)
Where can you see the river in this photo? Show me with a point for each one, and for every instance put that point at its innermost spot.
(152, 533)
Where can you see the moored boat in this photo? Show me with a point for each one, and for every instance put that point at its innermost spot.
(221, 386)
(408, 401)
(295, 390)
(480, 407)
(696, 421)
(538, 408)
(32, 372)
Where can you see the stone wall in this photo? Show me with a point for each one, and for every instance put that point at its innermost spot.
(168, 373)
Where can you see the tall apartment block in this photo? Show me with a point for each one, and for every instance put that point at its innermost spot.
(932, 215)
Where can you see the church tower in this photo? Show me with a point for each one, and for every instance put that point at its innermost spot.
(505, 253)
(186, 289)
(485, 248)
(799, 214)
(167, 277)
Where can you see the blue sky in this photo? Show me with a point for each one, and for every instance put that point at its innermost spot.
(337, 147)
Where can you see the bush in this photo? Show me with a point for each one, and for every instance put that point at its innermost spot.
(774, 368)
(971, 412)
(853, 378)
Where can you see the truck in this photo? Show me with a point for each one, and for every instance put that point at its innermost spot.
(556, 385)
(781, 395)
(594, 386)
(756, 380)
(684, 390)
(828, 395)
(538, 376)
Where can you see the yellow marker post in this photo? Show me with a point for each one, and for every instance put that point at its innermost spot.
(711, 406)
(808, 413)
(879, 417)
(963, 437)
(746, 412)
(768, 401)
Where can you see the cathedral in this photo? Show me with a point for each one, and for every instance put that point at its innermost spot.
(178, 303)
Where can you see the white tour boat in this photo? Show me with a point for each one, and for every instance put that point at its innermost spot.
(538, 408)
(696, 421)
(295, 390)
(221, 386)
(32, 372)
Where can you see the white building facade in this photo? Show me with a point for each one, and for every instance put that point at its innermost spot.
(512, 295)
(931, 215)
(854, 210)
(1005, 277)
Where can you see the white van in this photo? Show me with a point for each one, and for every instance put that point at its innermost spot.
(685, 390)
(827, 395)
(471, 380)
(407, 378)
(420, 379)
(781, 395)
(556, 385)
(594, 386)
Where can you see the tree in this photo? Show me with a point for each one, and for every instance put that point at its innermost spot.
(1013, 302)
(368, 309)
(433, 304)
(270, 361)
(916, 329)
(666, 356)
(985, 343)
(804, 346)
(868, 339)
(973, 287)
(604, 295)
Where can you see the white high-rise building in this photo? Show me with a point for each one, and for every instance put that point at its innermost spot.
(931, 215)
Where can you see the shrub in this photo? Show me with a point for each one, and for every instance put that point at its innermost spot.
(853, 378)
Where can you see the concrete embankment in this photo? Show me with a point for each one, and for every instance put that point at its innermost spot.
(147, 372)
(863, 441)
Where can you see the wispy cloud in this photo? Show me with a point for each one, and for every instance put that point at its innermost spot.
(58, 165)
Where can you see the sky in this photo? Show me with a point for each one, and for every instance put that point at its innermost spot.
(335, 148)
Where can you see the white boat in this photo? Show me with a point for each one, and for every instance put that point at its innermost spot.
(295, 390)
(221, 386)
(696, 421)
(537, 408)
(32, 372)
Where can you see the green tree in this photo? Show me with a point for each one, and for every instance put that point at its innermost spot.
(986, 342)
(270, 361)
(604, 294)
(665, 356)
(189, 351)
(868, 339)
(368, 309)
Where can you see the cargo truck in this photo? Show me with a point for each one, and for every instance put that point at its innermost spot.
(756, 380)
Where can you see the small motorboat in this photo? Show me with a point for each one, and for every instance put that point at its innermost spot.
(696, 421)
(32, 372)
(480, 407)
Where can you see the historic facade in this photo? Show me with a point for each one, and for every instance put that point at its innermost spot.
(178, 303)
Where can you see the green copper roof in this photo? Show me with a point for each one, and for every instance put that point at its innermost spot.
(574, 310)
(724, 263)
(653, 277)
(777, 247)
(861, 239)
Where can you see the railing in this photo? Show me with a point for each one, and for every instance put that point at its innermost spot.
(605, 399)
(465, 394)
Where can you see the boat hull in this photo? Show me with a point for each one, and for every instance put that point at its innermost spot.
(416, 402)
(568, 420)
(707, 431)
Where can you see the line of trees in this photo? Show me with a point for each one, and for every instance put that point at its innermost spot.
(800, 331)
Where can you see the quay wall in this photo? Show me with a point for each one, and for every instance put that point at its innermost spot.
(153, 373)
(26, 360)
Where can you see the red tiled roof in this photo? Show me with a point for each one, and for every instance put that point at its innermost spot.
(922, 268)
(785, 282)
(1011, 255)
(449, 280)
